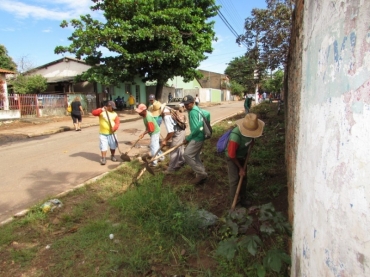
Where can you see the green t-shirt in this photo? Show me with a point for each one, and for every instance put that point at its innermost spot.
(242, 141)
(149, 120)
(196, 123)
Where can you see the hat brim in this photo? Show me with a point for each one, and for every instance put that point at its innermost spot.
(156, 113)
(248, 133)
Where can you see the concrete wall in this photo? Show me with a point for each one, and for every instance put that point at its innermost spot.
(65, 68)
(178, 82)
(330, 177)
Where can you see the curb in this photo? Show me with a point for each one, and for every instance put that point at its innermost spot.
(24, 212)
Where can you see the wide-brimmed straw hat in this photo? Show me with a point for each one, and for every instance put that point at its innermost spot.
(156, 108)
(250, 126)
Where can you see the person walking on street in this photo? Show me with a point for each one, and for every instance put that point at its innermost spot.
(151, 128)
(131, 102)
(155, 109)
(264, 95)
(108, 124)
(240, 140)
(169, 97)
(177, 136)
(197, 100)
(76, 113)
(247, 103)
(270, 97)
(195, 139)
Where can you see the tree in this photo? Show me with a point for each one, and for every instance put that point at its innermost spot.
(153, 39)
(274, 84)
(240, 70)
(24, 64)
(267, 34)
(29, 84)
(6, 62)
(236, 88)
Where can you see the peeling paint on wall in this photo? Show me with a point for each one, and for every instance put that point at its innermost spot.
(328, 155)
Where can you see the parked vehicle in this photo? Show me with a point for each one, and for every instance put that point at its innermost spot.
(175, 103)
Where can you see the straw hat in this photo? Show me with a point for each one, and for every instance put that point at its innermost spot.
(156, 108)
(250, 126)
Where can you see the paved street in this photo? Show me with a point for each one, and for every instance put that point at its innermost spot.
(44, 166)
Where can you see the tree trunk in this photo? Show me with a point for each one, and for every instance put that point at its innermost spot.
(159, 89)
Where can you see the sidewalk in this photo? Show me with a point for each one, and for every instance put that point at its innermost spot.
(46, 126)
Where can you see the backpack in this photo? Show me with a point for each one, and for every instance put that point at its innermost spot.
(207, 128)
(223, 141)
(178, 117)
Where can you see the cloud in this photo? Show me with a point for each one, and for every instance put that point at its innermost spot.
(7, 29)
(48, 30)
(44, 9)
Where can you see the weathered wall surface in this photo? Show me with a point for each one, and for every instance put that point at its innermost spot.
(331, 176)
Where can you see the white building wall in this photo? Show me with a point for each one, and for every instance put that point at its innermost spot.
(63, 69)
(331, 228)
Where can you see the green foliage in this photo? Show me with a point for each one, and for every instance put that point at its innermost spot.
(236, 89)
(29, 84)
(274, 84)
(155, 40)
(158, 209)
(240, 70)
(266, 223)
(267, 34)
(6, 62)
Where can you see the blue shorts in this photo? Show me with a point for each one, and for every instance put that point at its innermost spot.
(105, 141)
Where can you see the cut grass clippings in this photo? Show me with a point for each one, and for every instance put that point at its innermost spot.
(154, 222)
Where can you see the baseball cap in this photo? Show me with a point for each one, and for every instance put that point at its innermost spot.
(151, 97)
(111, 103)
(141, 108)
(188, 99)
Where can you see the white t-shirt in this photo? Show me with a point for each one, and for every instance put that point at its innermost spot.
(169, 123)
(197, 99)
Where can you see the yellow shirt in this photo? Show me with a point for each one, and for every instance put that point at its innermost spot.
(104, 124)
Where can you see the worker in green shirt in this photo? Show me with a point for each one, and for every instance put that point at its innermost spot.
(240, 140)
(195, 139)
(151, 128)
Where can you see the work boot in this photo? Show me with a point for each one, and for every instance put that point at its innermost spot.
(113, 158)
(103, 161)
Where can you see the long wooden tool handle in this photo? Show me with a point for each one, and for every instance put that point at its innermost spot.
(111, 129)
(165, 153)
(133, 145)
(242, 177)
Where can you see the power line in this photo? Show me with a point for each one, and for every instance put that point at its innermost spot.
(228, 25)
(232, 12)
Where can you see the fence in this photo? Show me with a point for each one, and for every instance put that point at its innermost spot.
(32, 105)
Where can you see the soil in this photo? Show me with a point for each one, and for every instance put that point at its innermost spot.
(212, 195)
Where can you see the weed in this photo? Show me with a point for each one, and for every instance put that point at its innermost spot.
(155, 223)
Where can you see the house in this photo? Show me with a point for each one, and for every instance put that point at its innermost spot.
(212, 87)
(60, 75)
(215, 87)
